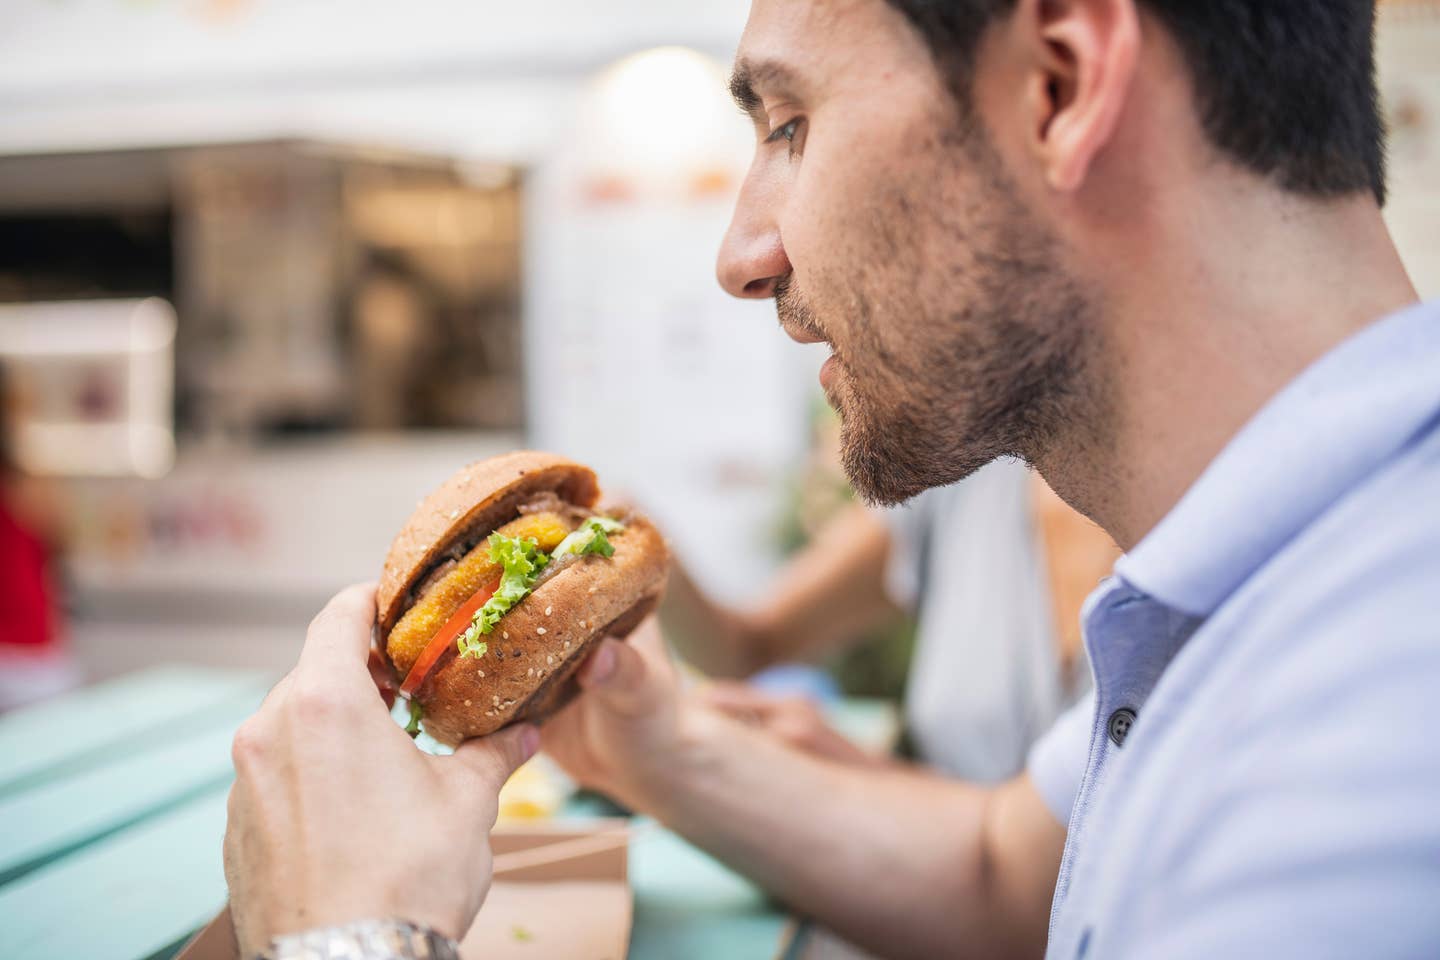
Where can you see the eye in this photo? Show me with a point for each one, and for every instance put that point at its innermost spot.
(789, 132)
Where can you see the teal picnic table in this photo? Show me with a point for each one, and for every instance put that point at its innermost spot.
(112, 810)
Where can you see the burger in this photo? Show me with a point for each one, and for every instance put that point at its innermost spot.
(497, 586)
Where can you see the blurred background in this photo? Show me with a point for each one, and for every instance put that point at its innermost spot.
(272, 269)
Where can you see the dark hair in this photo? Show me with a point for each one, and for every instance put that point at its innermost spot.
(1284, 87)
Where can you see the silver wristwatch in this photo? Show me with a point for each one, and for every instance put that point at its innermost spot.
(364, 940)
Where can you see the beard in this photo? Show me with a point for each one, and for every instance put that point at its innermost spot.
(953, 351)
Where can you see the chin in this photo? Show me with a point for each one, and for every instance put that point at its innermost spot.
(891, 459)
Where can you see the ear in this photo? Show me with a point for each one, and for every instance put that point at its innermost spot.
(1082, 58)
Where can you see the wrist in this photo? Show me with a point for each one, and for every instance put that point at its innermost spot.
(666, 786)
(365, 940)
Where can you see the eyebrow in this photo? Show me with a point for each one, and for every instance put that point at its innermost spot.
(749, 78)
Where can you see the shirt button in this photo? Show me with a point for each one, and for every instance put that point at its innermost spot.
(1120, 722)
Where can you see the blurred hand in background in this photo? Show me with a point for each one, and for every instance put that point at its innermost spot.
(796, 721)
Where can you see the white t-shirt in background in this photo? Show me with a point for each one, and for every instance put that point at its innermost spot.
(985, 681)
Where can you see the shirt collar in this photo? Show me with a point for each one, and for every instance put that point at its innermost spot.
(1319, 436)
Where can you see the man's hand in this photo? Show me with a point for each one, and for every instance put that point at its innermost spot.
(626, 728)
(335, 816)
(795, 720)
(624, 736)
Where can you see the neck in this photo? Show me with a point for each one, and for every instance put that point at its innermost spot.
(1227, 299)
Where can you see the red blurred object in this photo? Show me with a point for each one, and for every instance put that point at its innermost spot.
(27, 594)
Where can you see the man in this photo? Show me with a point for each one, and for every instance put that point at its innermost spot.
(1138, 243)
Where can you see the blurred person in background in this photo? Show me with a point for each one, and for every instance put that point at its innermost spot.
(994, 570)
(34, 663)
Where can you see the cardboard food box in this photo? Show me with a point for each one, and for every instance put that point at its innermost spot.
(560, 891)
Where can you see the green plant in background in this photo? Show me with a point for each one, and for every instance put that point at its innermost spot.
(877, 665)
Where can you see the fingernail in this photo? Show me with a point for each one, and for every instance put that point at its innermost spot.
(604, 664)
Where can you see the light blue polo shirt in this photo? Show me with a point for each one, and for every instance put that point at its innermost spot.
(1258, 774)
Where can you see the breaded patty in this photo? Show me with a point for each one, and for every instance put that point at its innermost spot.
(419, 624)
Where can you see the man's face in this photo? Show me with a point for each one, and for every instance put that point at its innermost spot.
(880, 219)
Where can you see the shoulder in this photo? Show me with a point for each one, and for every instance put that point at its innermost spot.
(1359, 589)
(1326, 667)
(1302, 776)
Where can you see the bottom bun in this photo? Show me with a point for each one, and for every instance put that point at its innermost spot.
(527, 672)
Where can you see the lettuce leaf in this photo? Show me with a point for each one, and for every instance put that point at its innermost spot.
(521, 562)
(591, 537)
(470, 643)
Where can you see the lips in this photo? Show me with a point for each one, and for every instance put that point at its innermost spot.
(802, 334)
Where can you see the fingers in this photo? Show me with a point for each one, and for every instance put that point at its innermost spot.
(737, 701)
(481, 766)
(338, 641)
(799, 723)
(734, 698)
(794, 720)
(802, 725)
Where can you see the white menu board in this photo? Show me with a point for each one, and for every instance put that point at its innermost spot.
(688, 401)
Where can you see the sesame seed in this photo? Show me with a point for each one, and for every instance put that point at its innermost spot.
(505, 634)
(540, 630)
(481, 672)
(582, 624)
(467, 703)
(591, 590)
(567, 644)
(454, 513)
(547, 611)
(530, 672)
(549, 659)
(495, 700)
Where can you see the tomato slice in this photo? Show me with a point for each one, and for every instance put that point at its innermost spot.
(445, 638)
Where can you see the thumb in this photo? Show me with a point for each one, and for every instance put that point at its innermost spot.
(485, 763)
(623, 679)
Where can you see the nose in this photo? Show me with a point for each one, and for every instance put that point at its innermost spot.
(752, 256)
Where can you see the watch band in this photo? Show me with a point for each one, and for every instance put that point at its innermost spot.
(364, 940)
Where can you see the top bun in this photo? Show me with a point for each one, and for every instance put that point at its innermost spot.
(472, 503)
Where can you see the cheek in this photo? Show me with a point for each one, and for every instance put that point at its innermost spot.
(823, 237)
(840, 209)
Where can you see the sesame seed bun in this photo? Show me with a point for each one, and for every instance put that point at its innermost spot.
(526, 674)
(527, 670)
(472, 502)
